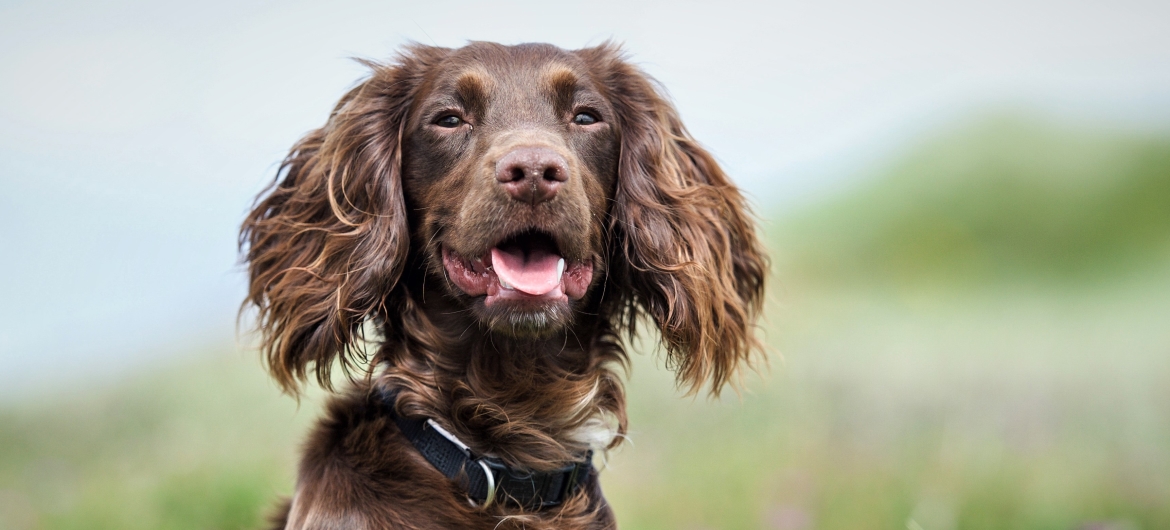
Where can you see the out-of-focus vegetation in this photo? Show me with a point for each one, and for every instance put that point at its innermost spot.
(975, 338)
(1004, 199)
(199, 443)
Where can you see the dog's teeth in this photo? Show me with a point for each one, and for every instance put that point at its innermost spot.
(505, 284)
(560, 268)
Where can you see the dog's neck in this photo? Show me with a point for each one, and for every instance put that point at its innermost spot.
(535, 403)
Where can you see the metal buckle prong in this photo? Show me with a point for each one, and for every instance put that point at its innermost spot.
(491, 482)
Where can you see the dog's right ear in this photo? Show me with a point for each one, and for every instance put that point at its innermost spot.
(327, 241)
(685, 249)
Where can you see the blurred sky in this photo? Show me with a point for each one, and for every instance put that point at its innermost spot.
(134, 134)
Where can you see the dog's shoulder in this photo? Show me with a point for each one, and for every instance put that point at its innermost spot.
(358, 471)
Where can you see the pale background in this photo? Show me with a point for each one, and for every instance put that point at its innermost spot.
(133, 135)
(967, 205)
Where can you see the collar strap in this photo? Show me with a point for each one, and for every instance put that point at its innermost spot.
(489, 479)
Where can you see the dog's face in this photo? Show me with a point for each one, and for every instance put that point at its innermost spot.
(534, 187)
(509, 162)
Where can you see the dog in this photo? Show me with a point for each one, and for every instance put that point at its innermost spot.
(477, 231)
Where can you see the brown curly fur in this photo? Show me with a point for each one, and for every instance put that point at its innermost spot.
(349, 240)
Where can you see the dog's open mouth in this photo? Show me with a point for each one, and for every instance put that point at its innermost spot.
(526, 267)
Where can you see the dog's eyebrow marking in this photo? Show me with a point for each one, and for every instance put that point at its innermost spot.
(560, 80)
(561, 85)
(472, 86)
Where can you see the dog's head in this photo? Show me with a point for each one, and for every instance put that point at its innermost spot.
(509, 161)
(522, 188)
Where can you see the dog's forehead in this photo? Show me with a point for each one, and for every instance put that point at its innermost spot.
(524, 64)
(524, 77)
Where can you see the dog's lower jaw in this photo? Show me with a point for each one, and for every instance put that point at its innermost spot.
(527, 324)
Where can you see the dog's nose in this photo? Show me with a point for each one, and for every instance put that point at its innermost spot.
(532, 174)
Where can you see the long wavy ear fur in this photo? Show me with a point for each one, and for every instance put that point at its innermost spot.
(327, 241)
(684, 248)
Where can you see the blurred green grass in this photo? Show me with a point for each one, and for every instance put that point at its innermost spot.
(1001, 412)
(203, 442)
(975, 338)
(1003, 198)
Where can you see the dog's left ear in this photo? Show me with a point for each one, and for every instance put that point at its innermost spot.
(683, 240)
(327, 243)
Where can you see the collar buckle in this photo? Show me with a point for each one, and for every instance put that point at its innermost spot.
(499, 482)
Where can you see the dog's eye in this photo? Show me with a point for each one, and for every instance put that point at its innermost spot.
(449, 121)
(585, 118)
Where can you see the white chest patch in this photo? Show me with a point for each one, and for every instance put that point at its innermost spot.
(597, 432)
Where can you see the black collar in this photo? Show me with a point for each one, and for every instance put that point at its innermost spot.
(489, 479)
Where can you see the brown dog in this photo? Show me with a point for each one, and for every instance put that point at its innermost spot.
(498, 216)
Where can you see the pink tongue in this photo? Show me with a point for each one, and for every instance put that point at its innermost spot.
(535, 274)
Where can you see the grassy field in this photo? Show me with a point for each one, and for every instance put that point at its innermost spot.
(888, 412)
(977, 339)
